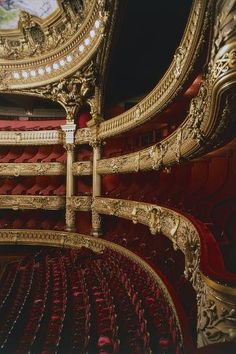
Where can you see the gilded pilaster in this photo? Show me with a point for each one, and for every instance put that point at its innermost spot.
(69, 130)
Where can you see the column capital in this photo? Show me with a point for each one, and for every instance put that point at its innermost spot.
(69, 131)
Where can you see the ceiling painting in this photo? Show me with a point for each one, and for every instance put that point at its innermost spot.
(10, 10)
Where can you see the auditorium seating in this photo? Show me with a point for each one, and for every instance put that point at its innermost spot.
(69, 301)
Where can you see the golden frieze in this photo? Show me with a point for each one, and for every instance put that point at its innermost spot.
(16, 202)
(80, 203)
(32, 169)
(39, 137)
(82, 168)
(83, 136)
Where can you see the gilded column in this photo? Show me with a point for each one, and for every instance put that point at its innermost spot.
(69, 130)
(96, 218)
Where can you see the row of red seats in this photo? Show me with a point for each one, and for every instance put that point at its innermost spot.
(83, 302)
(32, 219)
(43, 153)
(15, 125)
(14, 304)
(152, 302)
(106, 323)
(36, 307)
(7, 282)
(57, 308)
(35, 185)
(78, 309)
(159, 252)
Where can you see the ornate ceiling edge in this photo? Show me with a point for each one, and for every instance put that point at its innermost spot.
(104, 57)
(63, 61)
(83, 168)
(32, 169)
(17, 202)
(39, 137)
(211, 118)
(216, 303)
(74, 240)
(172, 82)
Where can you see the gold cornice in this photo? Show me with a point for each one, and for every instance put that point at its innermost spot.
(172, 82)
(16, 202)
(32, 169)
(73, 240)
(39, 137)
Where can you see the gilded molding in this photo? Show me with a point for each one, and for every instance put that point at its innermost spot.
(32, 169)
(81, 203)
(73, 240)
(175, 226)
(216, 303)
(71, 92)
(39, 137)
(17, 202)
(172, 82)
(63, 60)
(211, 117)
(217, 313)
(83, 136)
(82, 168)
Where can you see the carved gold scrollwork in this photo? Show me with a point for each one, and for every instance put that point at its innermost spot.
(32, 169)
(35, 38)
(16, 202)
(155, 220)
(216, 313)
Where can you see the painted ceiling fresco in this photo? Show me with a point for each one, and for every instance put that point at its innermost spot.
(10, 10)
